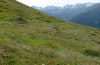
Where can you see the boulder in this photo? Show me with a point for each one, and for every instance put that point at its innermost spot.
(18, 18)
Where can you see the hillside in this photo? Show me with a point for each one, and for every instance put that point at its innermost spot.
(29, 37)
(91, 17)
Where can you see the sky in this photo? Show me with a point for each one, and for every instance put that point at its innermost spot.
(61, 3)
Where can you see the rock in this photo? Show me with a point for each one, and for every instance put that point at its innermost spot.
(43, 64)
(18, 18)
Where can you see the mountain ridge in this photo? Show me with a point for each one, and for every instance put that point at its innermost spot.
(66, 12)
(90, 17)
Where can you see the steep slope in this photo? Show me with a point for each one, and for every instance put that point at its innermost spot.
(91, 17)
(37, 39)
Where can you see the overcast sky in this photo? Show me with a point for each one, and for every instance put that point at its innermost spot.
(44, 3)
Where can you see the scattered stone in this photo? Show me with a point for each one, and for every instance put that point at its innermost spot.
(43, 64)
(18, 18)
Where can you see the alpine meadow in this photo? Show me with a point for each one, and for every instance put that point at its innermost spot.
(30, 37)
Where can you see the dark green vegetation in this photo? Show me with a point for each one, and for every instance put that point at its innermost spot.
(44, 40)
(91, 17)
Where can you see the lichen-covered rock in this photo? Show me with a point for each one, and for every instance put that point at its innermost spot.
(18, 18)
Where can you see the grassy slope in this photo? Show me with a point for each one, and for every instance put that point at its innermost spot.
(44, 39)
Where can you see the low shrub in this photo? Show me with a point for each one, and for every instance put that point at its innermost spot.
(91, 53)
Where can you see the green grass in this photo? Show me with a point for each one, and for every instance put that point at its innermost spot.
(44, 39)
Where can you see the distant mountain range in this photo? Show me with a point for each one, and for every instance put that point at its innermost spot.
(91, 16)
(81, 13)
(66, 12)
